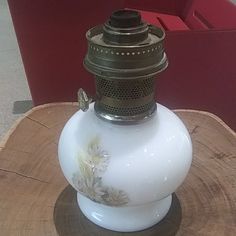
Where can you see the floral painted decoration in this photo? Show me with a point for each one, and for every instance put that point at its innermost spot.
(88, 180)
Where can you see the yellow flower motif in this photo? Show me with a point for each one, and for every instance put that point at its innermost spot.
(115, 197)
(88, 180)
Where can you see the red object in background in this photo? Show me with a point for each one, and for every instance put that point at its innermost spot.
(52, 41)
(201, 73)
(167, 22)
(205, 14)
(200, 44)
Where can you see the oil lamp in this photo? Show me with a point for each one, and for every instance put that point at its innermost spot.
(124, 153)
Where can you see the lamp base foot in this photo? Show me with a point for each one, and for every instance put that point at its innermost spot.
(124, 219)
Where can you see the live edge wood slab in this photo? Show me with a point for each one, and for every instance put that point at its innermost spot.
(36, 200)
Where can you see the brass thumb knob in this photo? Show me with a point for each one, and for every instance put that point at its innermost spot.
(83, 100)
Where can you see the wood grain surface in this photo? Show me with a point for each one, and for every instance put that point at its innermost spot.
(36, 200)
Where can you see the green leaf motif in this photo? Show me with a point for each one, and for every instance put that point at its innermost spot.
(88, 180)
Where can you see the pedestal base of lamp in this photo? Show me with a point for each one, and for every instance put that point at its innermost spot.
(125, 219)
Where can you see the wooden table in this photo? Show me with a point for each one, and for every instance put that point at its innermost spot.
(36, 200)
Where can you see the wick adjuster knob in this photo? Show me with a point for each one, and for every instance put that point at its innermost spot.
(83, 100)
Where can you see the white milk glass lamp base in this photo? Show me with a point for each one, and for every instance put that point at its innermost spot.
(125, 219)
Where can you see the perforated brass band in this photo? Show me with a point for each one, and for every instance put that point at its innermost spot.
(125, 97)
